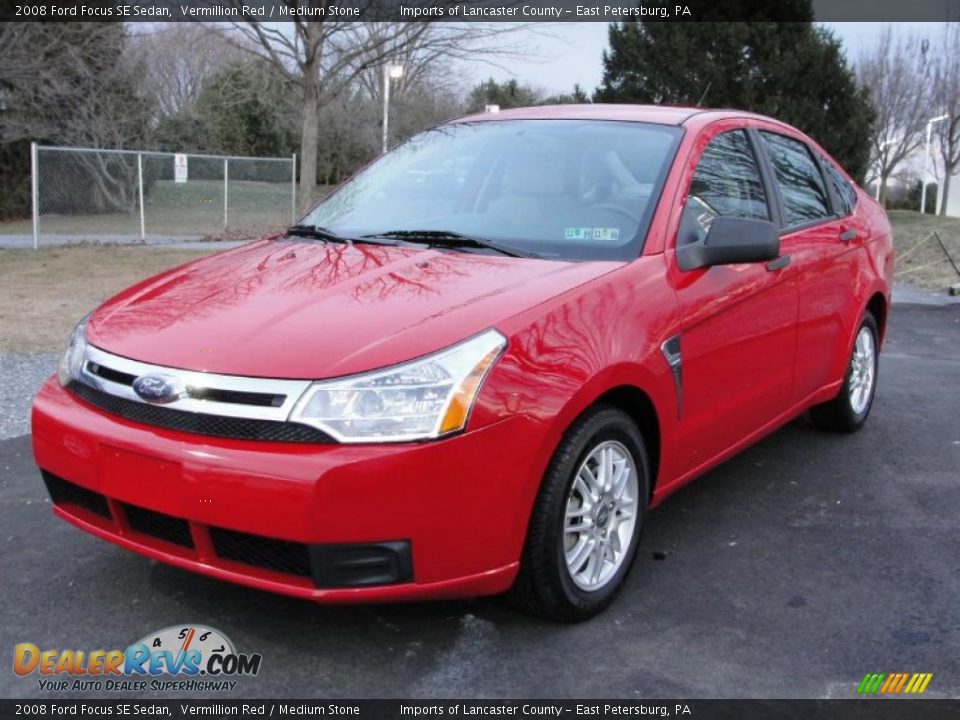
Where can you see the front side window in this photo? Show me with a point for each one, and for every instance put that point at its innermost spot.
(726, 183)
(801, 184)
(569, 189)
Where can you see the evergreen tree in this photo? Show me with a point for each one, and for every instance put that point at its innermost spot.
(243, 109)
(576, 97)
(792, 71)
(506, 95)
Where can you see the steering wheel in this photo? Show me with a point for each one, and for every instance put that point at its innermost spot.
(617, 209)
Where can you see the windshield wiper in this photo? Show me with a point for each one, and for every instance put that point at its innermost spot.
(315, 231)
(449, 239)
(322, 233)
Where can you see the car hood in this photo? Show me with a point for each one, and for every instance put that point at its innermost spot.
(309, 310)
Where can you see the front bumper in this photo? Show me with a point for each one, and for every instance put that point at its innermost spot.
(438, 519)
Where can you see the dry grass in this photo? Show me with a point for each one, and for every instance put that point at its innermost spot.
(920, 260)
(44, 293)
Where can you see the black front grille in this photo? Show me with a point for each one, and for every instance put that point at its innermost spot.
(110, 374)
(157, 525)
(66, 493)
(199, 423)
(237, 396)
(277, 555)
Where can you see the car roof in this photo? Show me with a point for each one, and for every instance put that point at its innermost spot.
(661, 114)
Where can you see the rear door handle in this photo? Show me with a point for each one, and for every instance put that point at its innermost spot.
(848, 235)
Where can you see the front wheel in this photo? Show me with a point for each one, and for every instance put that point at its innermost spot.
(587, 519)
(848, 411)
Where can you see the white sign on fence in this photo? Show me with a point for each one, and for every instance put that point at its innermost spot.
(179, 168)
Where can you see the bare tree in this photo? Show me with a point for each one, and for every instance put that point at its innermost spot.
(433, 98)
(424, 66)
(74, 84)
(898, 73)
(323, 57)
(69, 82)
(179, 58)
(946, 101)
(349, 128)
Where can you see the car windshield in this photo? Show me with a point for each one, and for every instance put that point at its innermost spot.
(571, 189)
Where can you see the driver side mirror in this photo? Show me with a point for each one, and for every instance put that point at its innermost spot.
(731, 240)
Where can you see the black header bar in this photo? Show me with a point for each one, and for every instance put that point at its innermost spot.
(477, 10)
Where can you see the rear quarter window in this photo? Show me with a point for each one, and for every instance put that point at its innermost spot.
(846, 194)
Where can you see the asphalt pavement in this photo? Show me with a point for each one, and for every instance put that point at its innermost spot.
(790, 571)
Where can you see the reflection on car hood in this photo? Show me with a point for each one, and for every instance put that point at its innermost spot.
(314, 310)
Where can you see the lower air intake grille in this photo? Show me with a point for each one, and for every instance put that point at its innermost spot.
(66, 493)
(199, 423)
(158, 525)
(277, 555)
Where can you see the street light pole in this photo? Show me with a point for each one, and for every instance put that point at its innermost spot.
(926, 163)
(389, 71)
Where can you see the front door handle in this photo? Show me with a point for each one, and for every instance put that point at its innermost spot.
(848, 235)
(779, 264)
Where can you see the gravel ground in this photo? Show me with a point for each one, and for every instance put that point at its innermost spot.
(22, 376)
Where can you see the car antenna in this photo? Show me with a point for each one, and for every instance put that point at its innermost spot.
(704, 96)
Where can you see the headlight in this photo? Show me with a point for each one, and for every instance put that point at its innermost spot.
(425, 398)
(72, 361)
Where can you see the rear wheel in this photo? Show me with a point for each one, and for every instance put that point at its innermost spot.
(587, 519)
(848, 411)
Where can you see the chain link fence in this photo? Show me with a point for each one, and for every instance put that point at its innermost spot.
(91, 195)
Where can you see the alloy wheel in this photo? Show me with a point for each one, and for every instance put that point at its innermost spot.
(862, 370)
(601, 512)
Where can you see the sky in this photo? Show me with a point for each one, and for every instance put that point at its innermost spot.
(562, 54)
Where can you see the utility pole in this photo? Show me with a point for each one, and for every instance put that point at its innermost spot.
(926, 163)
(389, 72)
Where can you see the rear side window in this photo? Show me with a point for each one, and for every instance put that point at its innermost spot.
(726, 183)
(845, 193)
(801, 184)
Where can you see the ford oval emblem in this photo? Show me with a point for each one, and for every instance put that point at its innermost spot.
(156, 388)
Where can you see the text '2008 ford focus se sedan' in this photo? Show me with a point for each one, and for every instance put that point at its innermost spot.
(476, 365)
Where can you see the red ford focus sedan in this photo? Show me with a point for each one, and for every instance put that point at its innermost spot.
(478, 364)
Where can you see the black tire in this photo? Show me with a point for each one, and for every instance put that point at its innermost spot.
(839, 415)
(543, 586)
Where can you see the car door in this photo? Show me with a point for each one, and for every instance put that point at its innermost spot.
(737, 336)
(820, 237)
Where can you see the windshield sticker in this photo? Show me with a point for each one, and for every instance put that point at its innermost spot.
(601, 234)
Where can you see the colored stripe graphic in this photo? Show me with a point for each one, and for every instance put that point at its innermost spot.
(871, 682)
(892, 680)
(899, 686)
(918, 683)
(894, 683)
